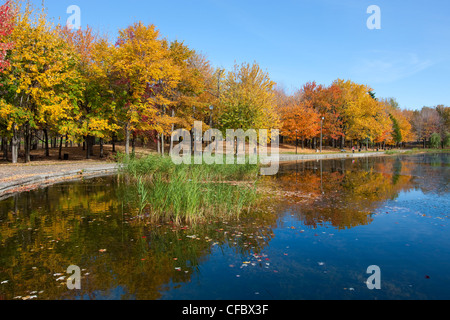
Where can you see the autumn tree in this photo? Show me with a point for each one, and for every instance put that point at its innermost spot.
(425, 122)
(401, 127)
(97, 106)
(363, 116)
(325, 101)
(298, 121)
(144, 75)
(248, 99)
(41, 81)
(444, 123)
(6, 27)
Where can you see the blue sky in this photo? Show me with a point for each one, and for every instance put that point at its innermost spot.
(298, 41)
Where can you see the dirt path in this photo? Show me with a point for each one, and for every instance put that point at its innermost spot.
(24, 177)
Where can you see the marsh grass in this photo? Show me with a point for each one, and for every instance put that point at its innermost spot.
(417, 151)
(163, 191)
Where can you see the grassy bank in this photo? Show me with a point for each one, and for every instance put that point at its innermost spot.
(163, 191)
(417, 151)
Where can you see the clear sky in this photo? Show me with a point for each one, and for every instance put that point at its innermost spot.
(298, 41)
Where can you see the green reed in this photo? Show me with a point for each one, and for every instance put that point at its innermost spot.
(163, 191)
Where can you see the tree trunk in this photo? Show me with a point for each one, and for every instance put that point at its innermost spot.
(158, 144)
(15, 145)
(127, 139)
(173, 129)
(34, 141)
(47, 151)
(27, 143)
(114, 142)
(101, 147)
(86, 144)
(91, 145)
(5, 148)
(60, 148)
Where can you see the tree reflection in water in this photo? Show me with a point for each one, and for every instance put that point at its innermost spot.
(91, 224)
(345, 193)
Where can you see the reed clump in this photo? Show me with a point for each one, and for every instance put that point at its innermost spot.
(189, 193)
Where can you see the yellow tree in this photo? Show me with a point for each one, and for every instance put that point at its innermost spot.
(194, 94)
(363, 116)
(400, 126)
(406, 125)
(388, 126)
(248, 100)
(41, 79)
(97, 105)
(144, 74)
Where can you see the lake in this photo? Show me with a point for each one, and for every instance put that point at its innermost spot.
(322, 225)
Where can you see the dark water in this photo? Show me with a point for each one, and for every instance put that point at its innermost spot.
(324, 224)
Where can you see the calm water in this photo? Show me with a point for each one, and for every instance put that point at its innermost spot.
(324, 224)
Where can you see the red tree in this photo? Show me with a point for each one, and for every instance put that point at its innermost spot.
(6, 27)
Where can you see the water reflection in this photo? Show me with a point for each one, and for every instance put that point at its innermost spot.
(345, 193)
(89, 224)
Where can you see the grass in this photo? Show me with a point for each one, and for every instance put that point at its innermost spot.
(163, 191)
(417, 150)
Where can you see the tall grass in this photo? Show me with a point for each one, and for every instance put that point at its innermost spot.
(190, 193)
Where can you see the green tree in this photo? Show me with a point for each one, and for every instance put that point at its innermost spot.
(447, 140)
(396, 132)
(435, 140)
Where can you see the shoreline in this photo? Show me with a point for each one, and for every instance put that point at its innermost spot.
(36, 176)
(46, 174)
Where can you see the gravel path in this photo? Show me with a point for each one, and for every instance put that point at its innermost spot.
(21, 177)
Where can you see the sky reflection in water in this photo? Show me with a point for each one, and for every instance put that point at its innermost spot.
(324, 223)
